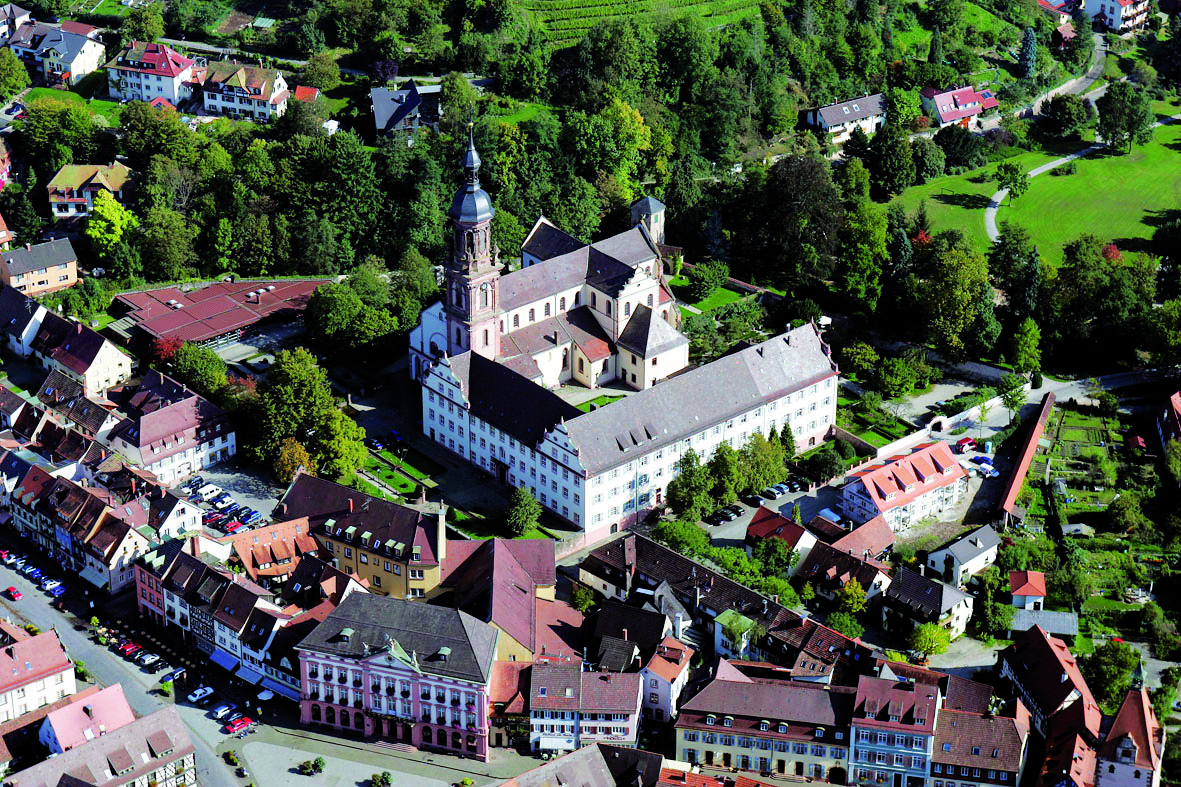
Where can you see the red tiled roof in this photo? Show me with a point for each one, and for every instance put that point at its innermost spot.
(960, 103)
(671, 659)
(306, 93)
(870, 539)
(151, 58)
(611, 692)
(559, 630)
(79, 722)
(1049, 674)
(1136, 720)
(901, 706)
(289, 540)
(1027, 583)
(979, 740)
(508, 685)
(1017, 479)
(767, 523)
(930, 466)
(31, 660)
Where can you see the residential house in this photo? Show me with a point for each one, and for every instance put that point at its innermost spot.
(1132, 752)
(978, 749)
(160, 515)
(965, 557)
(33, 672)
(1058, 11)
(829, 569)
(397, 550)
(84, 720)
(110, 554)
(153, 750)
(396, 670)
(501, 582)
(7, 236)
(81, 354)
(73, 189)
(66, 398)
(767, 523)
(13, 469)
(637, 566)
(838, 120)
(170, 430)
(244, 91)
(1070, 756)
(893, 732)
(12, 17)
(1062, 36)
(571, 708)
(958, 105)
(912, 600)
(306, 94)
(873, 539)
(783, 727)
(1168, 420)
(664, 678)
(271, 554)
(907, 489)
(1120, 16)
(150, 571)
(16, 734)
(21, 317)
(145, 71)
(508, 695)
(41, 269)
(627, 637)
(235, 608)
(1028, 589)
(1046, 677)
(11, 404)
(397, 110)
(957, 693)
(64, 54)
(597, 765)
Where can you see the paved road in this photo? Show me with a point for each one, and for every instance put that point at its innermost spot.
(107, 669)
(990, 212)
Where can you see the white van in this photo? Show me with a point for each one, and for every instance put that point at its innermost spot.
(208, 491)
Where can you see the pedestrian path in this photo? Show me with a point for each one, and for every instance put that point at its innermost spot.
(990, 226)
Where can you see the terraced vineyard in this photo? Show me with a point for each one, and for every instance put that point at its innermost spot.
(565, 22)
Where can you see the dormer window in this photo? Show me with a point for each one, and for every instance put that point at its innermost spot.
(728, 721)
(763, 726)
(541, 692)
(819, 732)
(711, 720)
(976, 751)
(947, 747)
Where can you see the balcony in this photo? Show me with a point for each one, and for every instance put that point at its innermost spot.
(405, 692)
(342, 679)
(357, 683)
(455, 702)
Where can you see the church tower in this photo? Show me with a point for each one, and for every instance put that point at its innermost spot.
(472, 305)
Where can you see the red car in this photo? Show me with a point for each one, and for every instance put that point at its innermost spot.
(3, 554)
(237, 725)
(14, 594)
(132, 650)
(126, 646)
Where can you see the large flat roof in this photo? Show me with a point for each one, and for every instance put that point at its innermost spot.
(216, 309)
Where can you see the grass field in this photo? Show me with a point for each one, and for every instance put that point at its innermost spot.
(565, 22)
(958, 201)
(720, 296)
(1117, 197)
(110, 110)
(598, 401)
(110, 8)
(917, 41)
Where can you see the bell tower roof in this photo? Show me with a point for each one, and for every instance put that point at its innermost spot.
(471, 205)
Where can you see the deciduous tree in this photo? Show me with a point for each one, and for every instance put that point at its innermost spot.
(1010, 175)
(689, 491)
(199, 367)
(1125, 115)
(290, 458)
(109, 223)
(1027, 351)
(14, 77)
(143, 23)
(321, 71)
(864, 254)
(929, 639)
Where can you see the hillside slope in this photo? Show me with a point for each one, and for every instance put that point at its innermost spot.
(564, 22)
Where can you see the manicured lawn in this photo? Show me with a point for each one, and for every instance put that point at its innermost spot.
(111, 110)
(958, 201)
(720, 297)
(110, 8)
(479, 527)
(598, 401)
(1114, 196)
(525, 112)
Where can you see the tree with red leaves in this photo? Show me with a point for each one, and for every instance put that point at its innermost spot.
(1111, 253)
(165, 347)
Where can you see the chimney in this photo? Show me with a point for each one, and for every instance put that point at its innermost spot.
(79, 330)
(441, 533)
(29, 246)
(351, 507)
(625, 635)
(196, 542)
(283, 509)
(89, 709)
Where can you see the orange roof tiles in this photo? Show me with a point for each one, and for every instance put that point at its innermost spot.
(671, 659)
(905, 478)
(1027, 583)
(1136, 720)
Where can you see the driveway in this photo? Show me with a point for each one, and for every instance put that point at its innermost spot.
(965, 658)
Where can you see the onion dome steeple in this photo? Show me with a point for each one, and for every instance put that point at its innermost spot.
(471, 205)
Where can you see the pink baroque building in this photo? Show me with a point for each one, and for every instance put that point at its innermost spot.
(397, 670)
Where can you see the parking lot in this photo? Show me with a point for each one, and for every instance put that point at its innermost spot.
(251, 490)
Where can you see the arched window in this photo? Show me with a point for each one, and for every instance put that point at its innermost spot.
(531, 316)
(1136, 775)
(456, 740)
(562, 305)
(345, 719)
(627, 310)
(1111, 769)
(426, 735)
(593, 300)
(665, 315)
(330, 715)
(315, 713)
(547, 310)
(516, 321)
(565, 359)
(485, 337)
(458, 337)
(502, 326)
(484, 295)
(649, 299)
(580, 369)
(577, 298)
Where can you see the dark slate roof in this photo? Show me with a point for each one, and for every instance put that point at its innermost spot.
(408, 629)
(643, 627)
(13, 468)
(546, 241)
(649, 204)
(647, 334)
(597, 765)
(832, 568)
(390, 106)
(16, 310)
(10, 401)
(973, 544)
(616, 655)
(691, 402)
(631, 247)
(926, 598)
(71, 344)
(777, 700)
(854, 109)
(507, 400)
(43, 255)
(65, 395)
(494, 587)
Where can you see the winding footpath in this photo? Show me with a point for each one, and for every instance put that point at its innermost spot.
(990, 212)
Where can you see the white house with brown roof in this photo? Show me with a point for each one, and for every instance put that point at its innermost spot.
(74, 350)
(1047, 680)
(11, 18)
(570, 708)
(839, 120)
(73, 189)
(244, 91)
(965, 557)
(34, 672)
(1028, 589)
(1132, 753)
(907, 489)
(664, 678)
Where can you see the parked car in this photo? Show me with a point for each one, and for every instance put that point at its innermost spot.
(28, 568)
(772, 492)
(14, 594)
(213, 517)
(161, 666)
(725, 515)
(58, 591)
(736, 509)
(237, 725)
(224, 503)
(752, 499)
(172, 677)
(223, 710)
(253, 518)
(10, 558)
(199, 694)
(36, 573)
(981, 460)
(48, 584)
(232, 527)
(131, 651)
(965, 444)
(231, 509)
(126, 645)
(146, 659)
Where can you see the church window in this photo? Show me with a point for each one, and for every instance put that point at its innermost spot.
(627, 309)
(562, 305)
(547, 310)
(516, 321)
(484, 295)
(486, 341)
(458, 337)
(577, 298)
(649, 299)
(531, 315)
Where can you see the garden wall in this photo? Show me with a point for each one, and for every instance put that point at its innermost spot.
(944, 423)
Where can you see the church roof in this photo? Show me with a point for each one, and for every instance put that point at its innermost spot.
(647, 335)
(471, 205)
